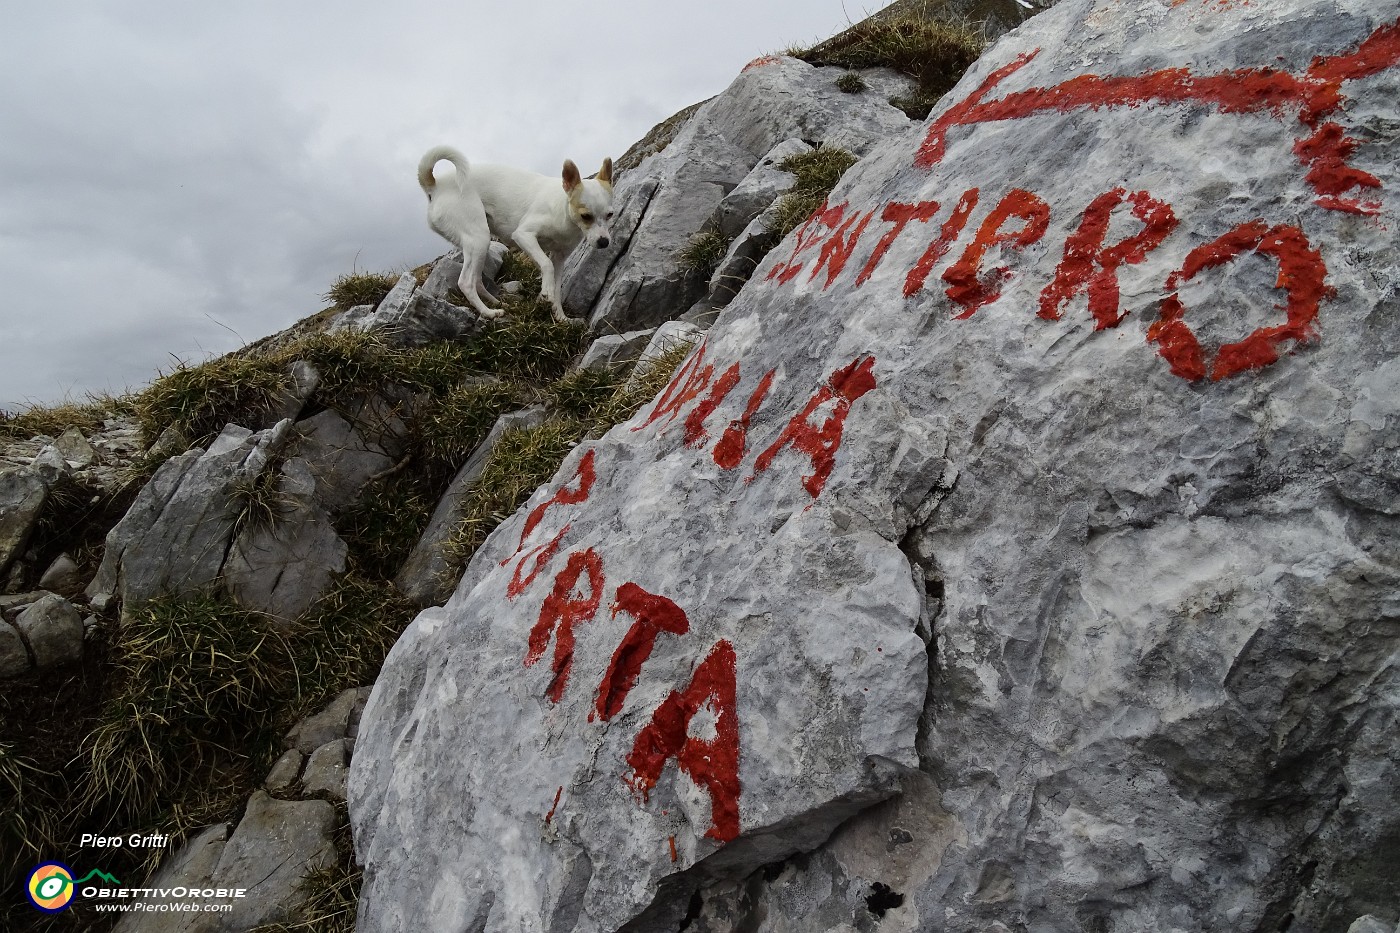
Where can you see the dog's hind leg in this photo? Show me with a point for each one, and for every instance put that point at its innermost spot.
(469, 282)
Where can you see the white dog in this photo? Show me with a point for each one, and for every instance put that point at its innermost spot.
(456, 213)
(544, 218)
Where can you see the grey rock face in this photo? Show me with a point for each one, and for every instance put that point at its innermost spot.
(674, 193)
(411, 317)
(63, 576)
(285, 772)
(326, 770)
(330, 724)
(54, 630)
(14, 659)
(341, 459)
(759, 189)
(1047, 480)
(21, 500)
(276, 844)
(75, 449)
(175, 536)
(282, 564)
(615, 349)
(427, 577)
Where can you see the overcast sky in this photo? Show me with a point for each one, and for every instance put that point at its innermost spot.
(177, 179)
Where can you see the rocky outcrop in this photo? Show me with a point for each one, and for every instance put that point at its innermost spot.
(1016, 552)
(637, 282)
(176, 536)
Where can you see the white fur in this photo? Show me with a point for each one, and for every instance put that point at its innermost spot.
(456, 213)
(544, 216)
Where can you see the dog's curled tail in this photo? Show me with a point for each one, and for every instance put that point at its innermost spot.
(432, 157)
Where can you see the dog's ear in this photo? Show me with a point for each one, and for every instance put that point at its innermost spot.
(605, 174)
(572, 178)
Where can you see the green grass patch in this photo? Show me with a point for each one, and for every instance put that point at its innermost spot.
(361, 288)
(198, 401)
(817, 173)
(851, 83)
(53, 420)
(701, 256)
(932, 51)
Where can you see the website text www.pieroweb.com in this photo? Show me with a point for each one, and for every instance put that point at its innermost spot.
(54, 887)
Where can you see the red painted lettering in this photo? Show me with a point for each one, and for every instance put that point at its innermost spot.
(838, 247)
(1301, 273)
(689, 381)
(565, 496)
(536, 558)
(695, 422)
(712, 763)
(1089, 266)
(820, 444)
(654, 615)
(900, 215)
(964, 287)
(808, 235)
(729, 452)
(1327, 151)
(952, 229)
(561, 611)
(1314, 94)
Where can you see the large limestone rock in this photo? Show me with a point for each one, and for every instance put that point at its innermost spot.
(1030, 515)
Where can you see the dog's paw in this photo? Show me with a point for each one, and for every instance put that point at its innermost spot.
(490, 315)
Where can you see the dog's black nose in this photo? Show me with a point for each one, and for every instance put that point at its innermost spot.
(602, 242)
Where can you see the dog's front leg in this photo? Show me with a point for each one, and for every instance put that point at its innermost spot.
(549, 274)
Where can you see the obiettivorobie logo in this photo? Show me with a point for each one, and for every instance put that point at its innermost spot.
(51, 885)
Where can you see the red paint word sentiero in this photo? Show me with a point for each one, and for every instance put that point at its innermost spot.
(824, 245)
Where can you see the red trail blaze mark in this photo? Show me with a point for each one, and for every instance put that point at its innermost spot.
(948, 234)
(1090, 266)
(1301, 272)
(654, 615)
(565, 496)
(557, 794)
(900, 215)
(561, 612)
(760, 62)
(963, 285)
(711, 763)
(729, 452)
(671, 840)
(1313, 94)
(536, 558)
(820, 444)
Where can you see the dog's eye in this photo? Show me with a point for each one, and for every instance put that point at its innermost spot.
(586, 218)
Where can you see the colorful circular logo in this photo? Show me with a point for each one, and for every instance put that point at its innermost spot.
(50, 887)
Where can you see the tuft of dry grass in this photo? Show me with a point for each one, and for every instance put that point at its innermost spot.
(817, 173)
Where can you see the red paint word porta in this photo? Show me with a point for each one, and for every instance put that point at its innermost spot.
(713, 764)
(695, 386)
(1312, 95)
